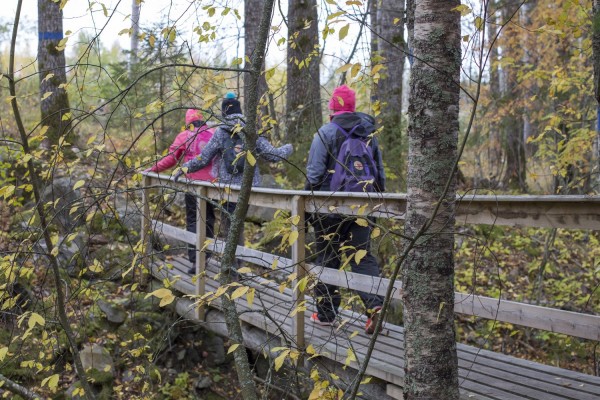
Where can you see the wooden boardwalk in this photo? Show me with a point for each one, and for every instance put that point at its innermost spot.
(483, 374)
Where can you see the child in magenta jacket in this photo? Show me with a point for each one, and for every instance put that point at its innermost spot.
(186, 146)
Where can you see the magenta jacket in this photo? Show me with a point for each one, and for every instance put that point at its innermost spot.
(188, 145)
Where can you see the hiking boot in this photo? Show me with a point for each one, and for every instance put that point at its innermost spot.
(315, 318)
(372, 321)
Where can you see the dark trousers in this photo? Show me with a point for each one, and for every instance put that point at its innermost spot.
(332, 232)
(191, 205)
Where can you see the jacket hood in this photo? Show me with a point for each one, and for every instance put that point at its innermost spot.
(230, 121)
(349, 120)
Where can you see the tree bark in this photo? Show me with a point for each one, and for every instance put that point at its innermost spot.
(515, 177)
(252, 14)
(303, 98)
(135, 34)
(228, 263)
(596, 61)
(51, 65)
(388, 90)
(495, 142)
(431, 361)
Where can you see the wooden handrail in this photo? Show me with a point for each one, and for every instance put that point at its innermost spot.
(539, 211)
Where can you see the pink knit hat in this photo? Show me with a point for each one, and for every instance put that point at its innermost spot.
(193, 115)
(342, 99)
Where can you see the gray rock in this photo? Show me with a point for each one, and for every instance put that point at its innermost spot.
(61, 189)
(96, 357)
(203, 382)
(114, 313)
(215, 347)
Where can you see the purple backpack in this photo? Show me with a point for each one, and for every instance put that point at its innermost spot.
(354, 169)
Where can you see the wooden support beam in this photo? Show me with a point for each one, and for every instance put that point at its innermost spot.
(200, 252)
(298, 257)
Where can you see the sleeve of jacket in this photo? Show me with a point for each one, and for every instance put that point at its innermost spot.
(209, 151)
(380, 170)
(271, 153)
(316, 167)
(176, 151)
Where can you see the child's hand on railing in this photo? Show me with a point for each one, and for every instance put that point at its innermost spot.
(178, 174)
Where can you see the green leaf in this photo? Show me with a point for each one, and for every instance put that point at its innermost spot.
(359, 255)
(344, 31)
(293, 237)
(478, 23)
(361, 222)
(250, 158)
(335, 15)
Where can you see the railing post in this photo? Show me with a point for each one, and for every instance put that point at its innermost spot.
(298, 260)
(145, 233)
(201, 255)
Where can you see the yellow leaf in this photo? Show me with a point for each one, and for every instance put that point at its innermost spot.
(151, 40)
(350, 356)
(8, 99)
(280, 359)
(250, 158)
(344, 31)
(334, 376)
(239, 292)
(343, 68)
(160, 293)
(463, 9)
(3, 353)
(335, 15)
(48, 76)
(78, 184)
(96, 267)
(293, 237)
(478, 23)
(275, 263)
(51, 381)
(376, 232)
(244, 270)
(166, 300)
(359, 255)
(36, 319)
(46, 95)
(295, 219)
(355, 69)
(232, 348)
(366, 380)
(250, 296)
(361, 222)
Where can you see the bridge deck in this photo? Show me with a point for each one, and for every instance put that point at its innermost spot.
(482, 374)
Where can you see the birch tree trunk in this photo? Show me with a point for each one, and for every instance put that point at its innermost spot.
(303, 98)
(51, 65)
(389, 30)
(495, 142)
(135, 33)
(431, 361)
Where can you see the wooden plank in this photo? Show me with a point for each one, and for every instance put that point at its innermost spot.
(298, 257)
(145, 233)
(571, 212)
(200, 252)
(394, 391)
(471, 379)
(550, 319)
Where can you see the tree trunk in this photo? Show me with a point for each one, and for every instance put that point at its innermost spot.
(516, 164)
(495, 142)
(135, 34)
(388, 90)
(51, 65)
(596, 61)
(431, 361)
(228, 263)
(303, 99)
(252, 14)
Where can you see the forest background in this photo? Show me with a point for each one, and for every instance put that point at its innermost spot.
(534, 132)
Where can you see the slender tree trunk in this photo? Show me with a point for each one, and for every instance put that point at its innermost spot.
(495, 142)
(388, 90)
(51, 65)
(61, 308)
(135, 34)
(303, 98)
(596, 61)
(515, 177)
(228, 266)
(431, 361)
(252, 14)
